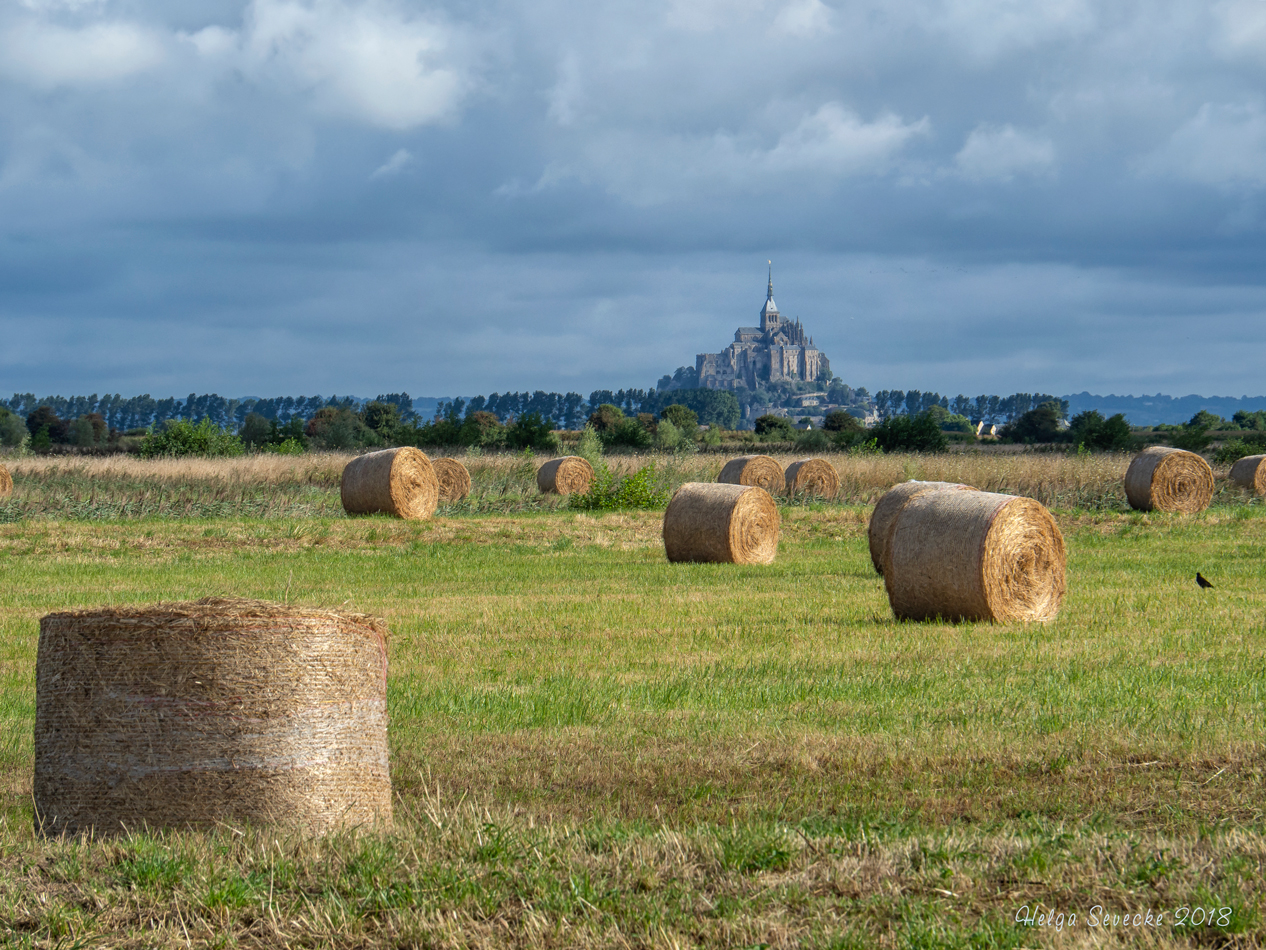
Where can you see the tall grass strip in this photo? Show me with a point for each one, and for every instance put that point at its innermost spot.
(6, 482)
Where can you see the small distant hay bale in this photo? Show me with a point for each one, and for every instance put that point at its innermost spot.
(758, 470)
(1248, 473)
(719, 523)
(973, 555)
(6, 482)
(889, 506)
(217, 711)
(398, 482)
(1166, 479)
(569, 475)
(812, 477)
(453, 478)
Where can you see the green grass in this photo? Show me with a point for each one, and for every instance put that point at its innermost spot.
(592, 747)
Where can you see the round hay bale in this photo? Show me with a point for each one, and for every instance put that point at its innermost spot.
(1248, 473)
(398, 482)
(217, 711)
(974, 555)
(758, 470)
(813, 477)
(724, 524)
(570, 475)
(6, 482)
(1165, 479)
(453, 478)
(889, 506)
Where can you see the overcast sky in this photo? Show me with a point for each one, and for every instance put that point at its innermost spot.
(459, 197)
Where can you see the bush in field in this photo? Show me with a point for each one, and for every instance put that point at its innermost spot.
(837, 420)
(685, 419)
(610, 492)
(44, 420)
(13, 431)
(180, 437)
(531, 431)
(607, 418)
(813, 440)
(1255, 421)
(383, 418)
(1195, 439)
(483, 429)
(254, 431)
(1092, 430)
(1036, 425)
(1252, 443)
(772, 428)
(590, 447)
(909, 434)
(668, 437)
(335, 428)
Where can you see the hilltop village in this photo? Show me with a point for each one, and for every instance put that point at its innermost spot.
(773, 368)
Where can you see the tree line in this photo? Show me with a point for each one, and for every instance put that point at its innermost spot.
(989, 409)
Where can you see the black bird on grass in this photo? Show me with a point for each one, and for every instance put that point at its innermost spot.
(1201, 581)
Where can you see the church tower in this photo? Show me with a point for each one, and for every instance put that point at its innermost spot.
(769, 317)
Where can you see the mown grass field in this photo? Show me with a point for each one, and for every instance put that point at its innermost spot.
(592, 747)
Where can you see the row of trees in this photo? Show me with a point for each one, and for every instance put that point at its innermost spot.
(139, 412)
(990, 409)
(712, 407)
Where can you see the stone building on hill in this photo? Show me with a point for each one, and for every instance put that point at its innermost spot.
(775, 351)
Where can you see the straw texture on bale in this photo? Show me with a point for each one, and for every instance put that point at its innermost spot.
(813, 477)
(570, 475)
(453, 478)
(1248, 473)
(973, 555)
(1165, 479)
(725, 524)
(758, 470)
(398, 482)
(6, 481)
(889, 506)
(216, 711)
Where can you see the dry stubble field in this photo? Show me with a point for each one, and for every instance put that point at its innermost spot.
(592, 747)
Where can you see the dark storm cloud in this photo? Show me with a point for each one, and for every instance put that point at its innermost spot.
(963, 195)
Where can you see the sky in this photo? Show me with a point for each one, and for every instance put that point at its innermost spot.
(326, 196)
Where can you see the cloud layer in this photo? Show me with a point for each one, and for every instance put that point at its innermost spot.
(328, 195)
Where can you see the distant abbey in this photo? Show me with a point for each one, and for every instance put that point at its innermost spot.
(776, 350)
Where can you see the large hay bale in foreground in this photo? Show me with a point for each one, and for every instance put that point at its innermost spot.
(973, 555)
(1248, 473)
(1166, 479)
(6, 481)
(398, 482)
(813, 477)
(570, 475)
(218, 711)
(726, 524)
(889, 506)
(758, 470)
(453, 479)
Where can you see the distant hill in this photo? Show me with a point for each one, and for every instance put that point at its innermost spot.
(1154, 410)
